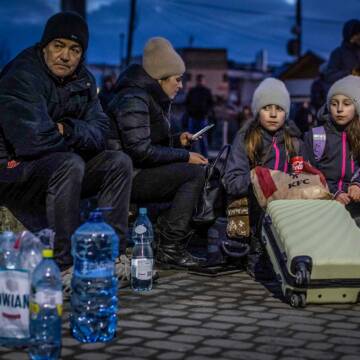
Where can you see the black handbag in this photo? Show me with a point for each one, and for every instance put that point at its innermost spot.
(212, 201)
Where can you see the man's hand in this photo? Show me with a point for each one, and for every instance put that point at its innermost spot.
(343, 198)
(354, 192)
(60, 128)
(185, 138)
(196, 158)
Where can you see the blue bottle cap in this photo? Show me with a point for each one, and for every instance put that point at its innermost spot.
(143, 211)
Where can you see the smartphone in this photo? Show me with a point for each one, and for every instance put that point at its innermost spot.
(202, 131)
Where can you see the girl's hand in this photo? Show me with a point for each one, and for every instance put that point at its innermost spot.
(343, 198)
(185, 138)
(354, 192)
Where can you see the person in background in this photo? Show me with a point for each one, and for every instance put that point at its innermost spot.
(345, 59)
(199, 104)
(107, 91)
(165, 170)
(265, 141)
(339, 161)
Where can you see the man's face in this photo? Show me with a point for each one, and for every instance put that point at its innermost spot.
(62, 56)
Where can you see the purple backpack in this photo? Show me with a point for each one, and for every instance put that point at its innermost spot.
(319, 141)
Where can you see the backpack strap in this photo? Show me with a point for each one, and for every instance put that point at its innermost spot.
(319, 141)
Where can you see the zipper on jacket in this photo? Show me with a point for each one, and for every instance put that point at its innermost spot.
(277, 153)
(343, 162)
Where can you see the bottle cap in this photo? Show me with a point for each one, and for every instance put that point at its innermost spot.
(48, 253)
(143, 211)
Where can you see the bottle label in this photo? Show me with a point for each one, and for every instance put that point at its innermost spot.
(14, 304)
(142, 268)
(140, 229)
(49, 299)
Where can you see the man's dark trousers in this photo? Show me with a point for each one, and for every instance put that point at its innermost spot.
(46, 193)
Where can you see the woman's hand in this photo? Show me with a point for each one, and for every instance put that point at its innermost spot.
(196, 158)
(185, 138)
(354, 192)
(343, 198)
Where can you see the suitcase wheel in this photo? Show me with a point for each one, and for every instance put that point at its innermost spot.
(302, 276)
(297, 299)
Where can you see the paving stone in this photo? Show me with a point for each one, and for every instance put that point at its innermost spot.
(228, 306)
(262, 315)
(343, 325)
(311, 354)
(331, 317)
(228, 344)
(207, 350)
(341, 332)
(169, 312)
(94, 346)
(200, 316)
(235, 319)
(135, 324)
(348, 349)
(350, 357)
(131, 351)
(197, 302)
(203, 297)
(167, 328)
(170, 356)
(232, 312)
(179, 321)
(319, 346)
(343, 340)
(166, 345)
(302, 320)
(273, 323)
(277, 340)
(218, 325)
(307, 336)
(15, 356)
(203, 332)
(247, 329)
(248, 355)
(270, 349)
(304, 327)
(129, 341)
(147, 334)
(92, 356)
(204, 310)
(192, 339)
(240, 336)
(143, 317)
(175, 306)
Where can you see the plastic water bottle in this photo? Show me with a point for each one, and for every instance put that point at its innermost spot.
(95, 247)
(30, 252)
(14, 294)
(142, 256)
(9, 250)
(46, 310)
(143, 220)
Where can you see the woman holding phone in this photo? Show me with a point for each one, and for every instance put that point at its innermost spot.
(165, 171)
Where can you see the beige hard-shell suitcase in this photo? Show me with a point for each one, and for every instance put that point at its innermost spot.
(314, 247)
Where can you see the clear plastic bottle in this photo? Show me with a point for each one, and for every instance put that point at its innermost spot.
(46, 310)
(30, 252)
(143, 220)
(95, 247)
(142, 259)
(9, 250)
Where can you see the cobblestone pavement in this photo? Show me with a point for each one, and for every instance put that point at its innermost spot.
(229, 317)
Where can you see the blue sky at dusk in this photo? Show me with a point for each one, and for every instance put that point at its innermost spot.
(242, 26)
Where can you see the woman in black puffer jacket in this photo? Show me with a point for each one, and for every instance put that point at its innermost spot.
(164, 169)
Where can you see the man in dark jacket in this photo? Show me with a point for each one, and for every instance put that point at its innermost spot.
(164, 170)
(199, 103)
(53, 137)
(345, 59)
